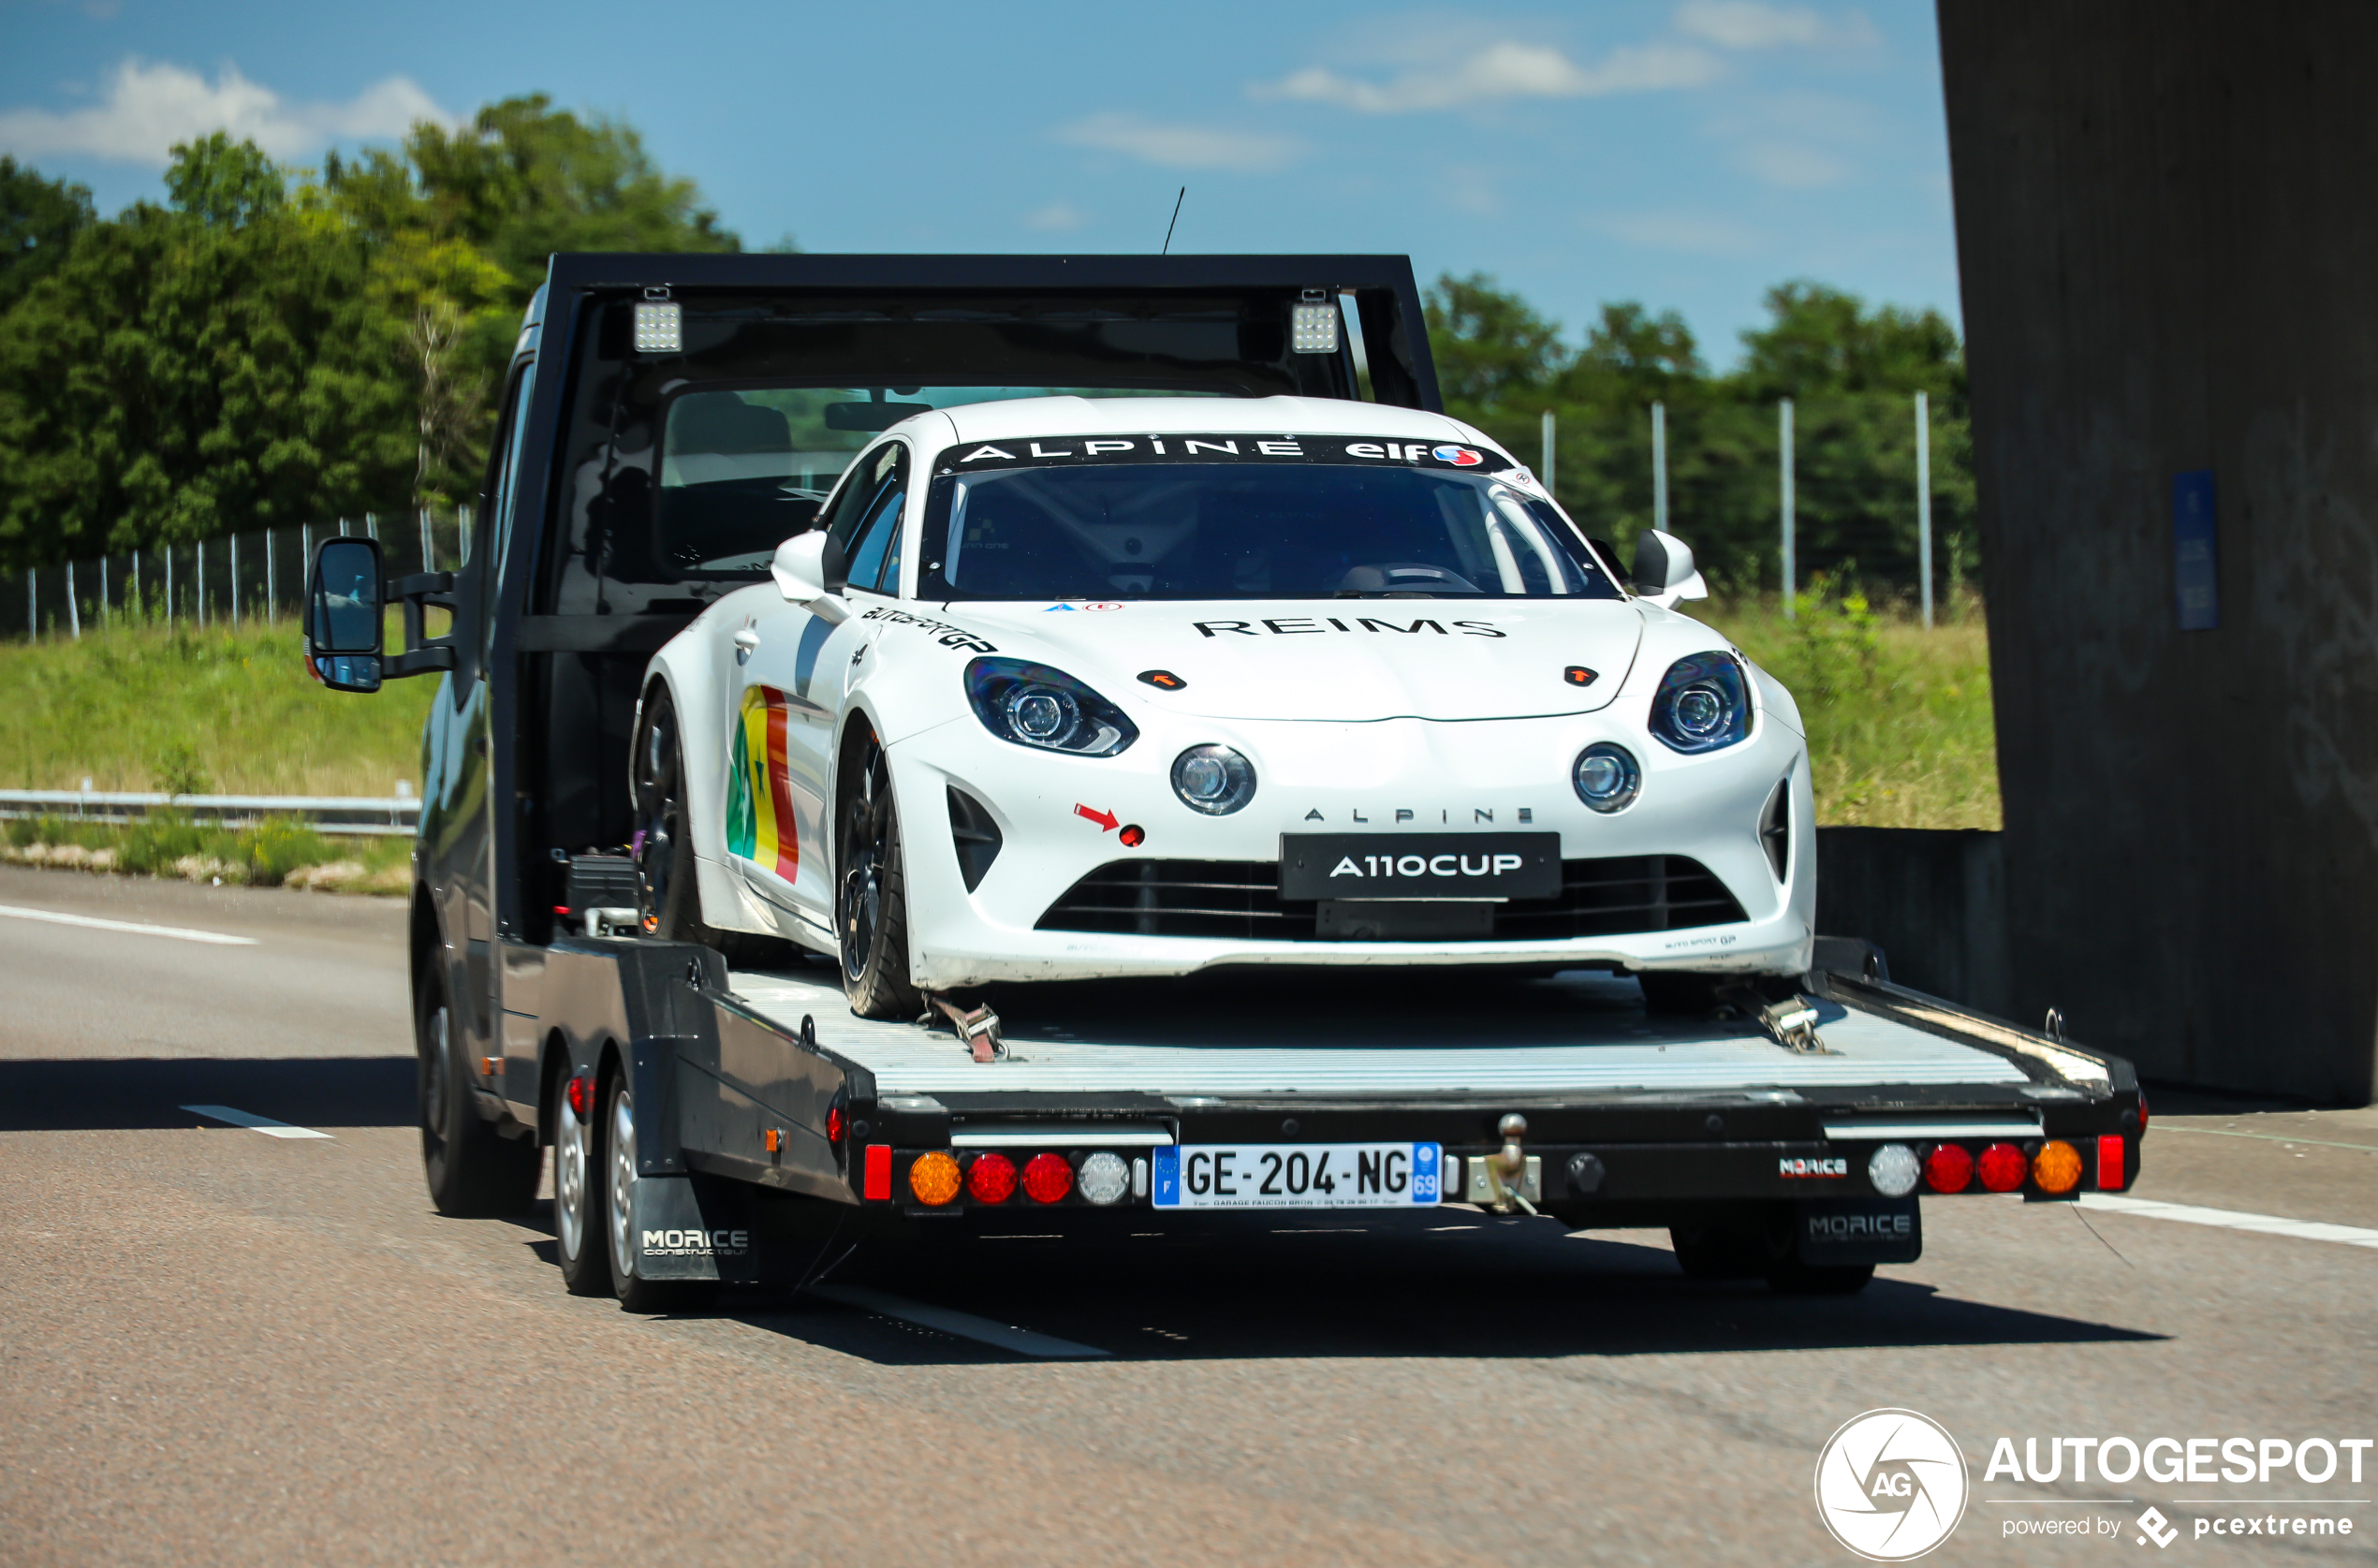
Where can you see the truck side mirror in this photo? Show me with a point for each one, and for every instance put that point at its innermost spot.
(345, 594)
(1664, 570)
(807, 567)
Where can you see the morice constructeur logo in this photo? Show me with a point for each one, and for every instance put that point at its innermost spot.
(1891, 1485)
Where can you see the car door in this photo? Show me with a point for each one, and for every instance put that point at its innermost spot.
(793, 669)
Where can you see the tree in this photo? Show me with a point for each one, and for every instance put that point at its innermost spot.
(39, 221)
(1491, 347)
(224, 183)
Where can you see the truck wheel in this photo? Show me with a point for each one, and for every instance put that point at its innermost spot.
(1719, 1251)
(1794, 1278)
(668, 894)
(474, 1171)
(578, 1210)
(871, 896)
(615, 1144)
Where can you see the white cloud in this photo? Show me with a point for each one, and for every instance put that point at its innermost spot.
(1056, 216)
(1754, 24)
(149, 108)
(1502, 71)
(1792, 168)
(1178, 146)
(1700, 234)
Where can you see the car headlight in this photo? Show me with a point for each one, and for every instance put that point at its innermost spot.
(1032, 705)
(1703, 703)
(1607, 777)
(1214, 780)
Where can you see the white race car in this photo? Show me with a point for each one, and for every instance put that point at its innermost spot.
(1061, 688)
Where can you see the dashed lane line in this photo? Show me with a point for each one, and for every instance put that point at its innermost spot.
(139, 928)
(966, 1325)
(254, 1123)
(2231, 1218)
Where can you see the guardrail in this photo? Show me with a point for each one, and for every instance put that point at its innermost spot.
(348, 814)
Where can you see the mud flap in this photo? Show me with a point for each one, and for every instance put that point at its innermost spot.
(1856, 1231)
(695, 1227)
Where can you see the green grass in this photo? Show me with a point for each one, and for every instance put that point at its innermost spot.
(1900, 722)
(1900, 730)
(146, 708)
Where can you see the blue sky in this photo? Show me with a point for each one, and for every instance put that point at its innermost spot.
(1687, 153)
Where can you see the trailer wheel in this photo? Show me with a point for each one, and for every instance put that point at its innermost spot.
(473, 1170)
(616, 1146)
(870, 894)
(577, 1208)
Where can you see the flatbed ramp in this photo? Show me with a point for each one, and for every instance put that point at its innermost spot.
(1580, 1032)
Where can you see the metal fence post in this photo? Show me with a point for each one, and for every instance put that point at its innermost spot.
(1791, 565)
(272, 600)
(103, 590)
(168, 586)
(428, 560)
(32, 607)
(197, 579)
(1660, 466)
(235, 582)
(74, 610)
(372, 526)
(1924, 499)
(1547, 451)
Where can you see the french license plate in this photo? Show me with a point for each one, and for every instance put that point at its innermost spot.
(1420, 865)
(1298, 1176)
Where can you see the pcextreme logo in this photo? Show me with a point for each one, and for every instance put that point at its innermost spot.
(1891, 1485)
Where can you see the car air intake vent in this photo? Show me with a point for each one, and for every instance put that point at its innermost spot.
(1775, 829)
(1242, 899)
(976, 835)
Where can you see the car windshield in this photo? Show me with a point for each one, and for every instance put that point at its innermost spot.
(1153, 530)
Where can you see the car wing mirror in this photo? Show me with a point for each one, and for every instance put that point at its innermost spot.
(809, 566)
(345, 591)
(1664, 570)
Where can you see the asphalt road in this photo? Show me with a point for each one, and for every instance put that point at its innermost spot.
(218, 1345)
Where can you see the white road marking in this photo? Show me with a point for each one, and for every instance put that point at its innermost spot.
(179, 934)
(2231, 1218)
(966, 1325)
(264, 1125)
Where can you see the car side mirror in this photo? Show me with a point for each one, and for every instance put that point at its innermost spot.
(344, 593)
(1664, 570)
(807, 567)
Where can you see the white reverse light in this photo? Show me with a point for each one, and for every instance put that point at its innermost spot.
(1893, 1170)
(1312, 325)
(1103, 1178)
(660, 326)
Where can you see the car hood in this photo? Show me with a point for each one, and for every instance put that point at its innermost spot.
(1342, 660)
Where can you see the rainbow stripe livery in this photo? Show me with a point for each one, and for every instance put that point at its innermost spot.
(760, 826)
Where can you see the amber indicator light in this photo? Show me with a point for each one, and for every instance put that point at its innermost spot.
(1577, 675)
(1163, 680)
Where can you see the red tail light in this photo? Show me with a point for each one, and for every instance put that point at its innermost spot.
(835, 1125)
(2142, 1112)
(580, 1094)
(1948, 1168)
(2110, 1175)
(992, 1179)
(2003, 1167)
(1048, 1178)
(878, 1172)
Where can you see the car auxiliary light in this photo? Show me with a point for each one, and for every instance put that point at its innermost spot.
(1893, 1169)
(1105, 1177)
(992, 1179)
(1948, 1168)
(1032, 705)
(1214, 780)
(1606, 776)
(1313, 324)
(1047, 1178)
(934, 1177)
(2003, 1167)
(2111, 1159)
(660, 326)
(1702, 704)
(2056, 1167)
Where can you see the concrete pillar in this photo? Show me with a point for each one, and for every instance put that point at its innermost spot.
(2167, 240)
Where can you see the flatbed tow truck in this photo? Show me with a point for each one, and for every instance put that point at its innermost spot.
(717, 1114)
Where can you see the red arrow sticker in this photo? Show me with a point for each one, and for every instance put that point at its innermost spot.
(1106, 820)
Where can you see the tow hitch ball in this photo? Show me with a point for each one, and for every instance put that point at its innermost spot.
(1506, 1169)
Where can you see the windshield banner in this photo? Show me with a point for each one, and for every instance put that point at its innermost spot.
(1077, 450)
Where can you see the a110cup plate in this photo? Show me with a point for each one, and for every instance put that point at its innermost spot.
(1420, 865)
(1298, 1176)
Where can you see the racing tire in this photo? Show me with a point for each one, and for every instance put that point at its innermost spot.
(870, 894)
(669, 895)
(577, 1208)
(615, 1201)
(474, 1171)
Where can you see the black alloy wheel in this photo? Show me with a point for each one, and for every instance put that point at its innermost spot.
(871, 894)
(668, 897)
